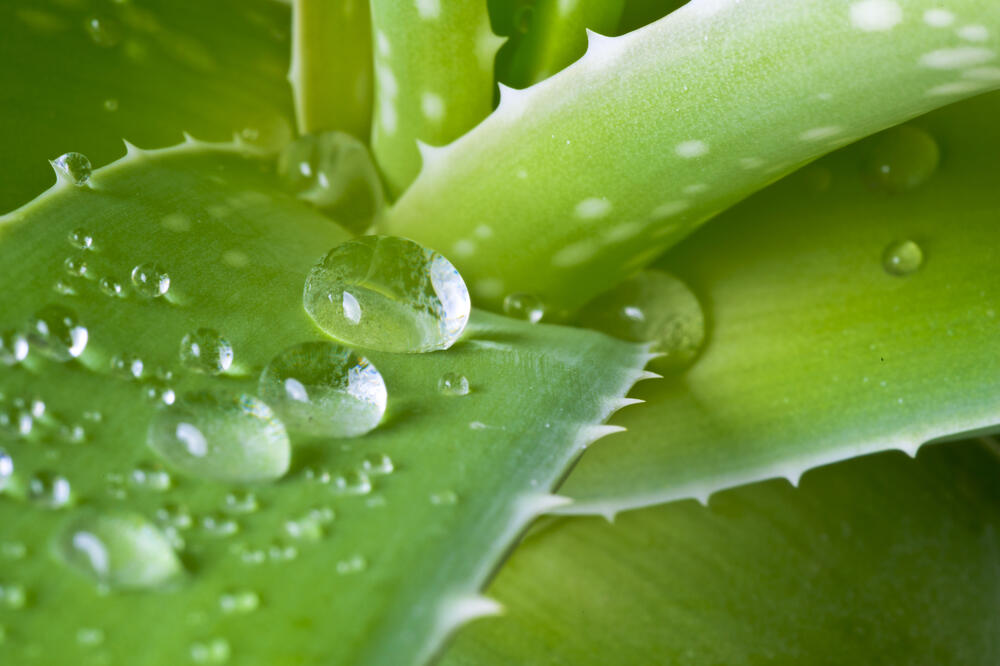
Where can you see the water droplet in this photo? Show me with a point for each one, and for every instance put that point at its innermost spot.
(335, 172)
(76, 266)
(13, 596)
(111, 104)
(444, 498)
(352, 482)
(148, 477)
(389, 294)
(902, 158)
(352, 565)
(239, 602)
(175, 515)
(902, 257)
(15, 421)
(205, 350)
(150, 280)
(57, 333)
(309, 527)
(63, 287)
(80, 238)
(111, 286)
(241, 501)
(226, 438)
(212, 651)
(527, 307)
(217, 525)
(13, 347)
(324, 390)
(127, 367)
(6, 469)
(72, 433)
(49, 490)
(654, 306)
(89, 636)
(73, 166)
(103, 31)
(279, 552)
(453, 383)
(377, 463)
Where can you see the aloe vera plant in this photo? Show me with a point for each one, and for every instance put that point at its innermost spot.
(233, 429)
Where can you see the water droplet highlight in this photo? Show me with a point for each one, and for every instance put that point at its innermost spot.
(57, 333)
(73, 166)
(111, 287)
(6, 469)
(352, 482)
(377, 463)
(212, 651)
(388, 293)
(526, 307)
(13, 347)
(205, 350)
(902, 257)
(150, 280)
(103, 31)
(454, 384)
(119, 549)
(239, 602)
(324, 390)
(226, 438)
(49, 490)
(902, 158)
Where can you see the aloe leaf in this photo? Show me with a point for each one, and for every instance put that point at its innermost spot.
(433, 78)
(817, 350)
(331, 72)
(877, 556)
(628, 149)
(548, 35)
(340, 561)
(83, 75)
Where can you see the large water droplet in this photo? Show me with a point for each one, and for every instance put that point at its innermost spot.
(453, 383)
(389, 294)
(227, 438)
(527, 307)
(902, 257)
(150, 280)
(73, 166)
(56, 331)
(118, 549)
(13, 347)
(49, 490)
(335, 172)
(324, 390)
(205, 350)
(902, 158)
(655, 307)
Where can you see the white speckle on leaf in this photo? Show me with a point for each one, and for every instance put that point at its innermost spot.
(384, 48)
(429, 9)
(938, 18)
(692, 148)
(982, 73)
(695, 188)
(575, 254)
(751, 162)
(819, 133)
(958, 88)
(483, 231)
(957, 58)
(592, 208)
(669, 208)
(463, 247)
(521, 174)
(387, 115)
(973, 33)
(624, 231)
(875, 15)
(825, 96)
(432, 106)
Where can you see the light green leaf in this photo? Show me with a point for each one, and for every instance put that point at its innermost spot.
(815, 351)
(339, 561)
(578, 181)
(881, 558)
(145, 71)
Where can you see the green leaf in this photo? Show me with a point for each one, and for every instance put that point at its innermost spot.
(878, 556)
(144, 72)
(433, 78)
(331, 72)
(578, 181)
(815, 351)
(318, 566)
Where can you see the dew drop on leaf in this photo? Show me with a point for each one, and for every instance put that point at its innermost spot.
(352, 482)
(526, 307)
(223, 437)
(80, 238)
(73, 166)
(13, 347)
(103, 31)
(239, 602)
(212, 651)
(6, 469)
(13, 596)
(453, 384)
(150, 280)
(56, 331)
(322, 389)
(655, 307)
(901, 159)
(205, 350)
(389, 294)
(377, 463)
(111, 286)
(121, 550)
(902, 257)
(49, 490)
(334, 171)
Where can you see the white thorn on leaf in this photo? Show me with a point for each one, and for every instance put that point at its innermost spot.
(459, 611)
(591, 433)
(538, 504)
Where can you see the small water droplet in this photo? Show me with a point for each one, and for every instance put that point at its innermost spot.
(16, 421)
(150, 280)
(352, 565)
(211, 651)
(241, 501)
(389, 294)
(324, 390)
(89, 636)
(226, 438)
(205, 350)
(526, 307)
(76, 266)
(111, 287)
(13, 347)
(81, 238)
(63, 288)
(57, 333)
(352, 482)
(148, 477)
(13, 596)
(49, 490)
(239, 602)
(111, 104)
(217, 525)
(309, 527)
(278, 552)
(6, 469)
(656, 307)
(127, 367)
(72, 433)
(378, 463)
(453, 383)
(334, 171)
(902, 158)
(175, 515)
(902, 257)
(103, 31)
(74, 166)
(444, 498)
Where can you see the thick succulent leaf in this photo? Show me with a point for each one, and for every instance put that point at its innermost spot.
(579, 180)
(816, 352)
(144, 71)
(433, 78)
(331, 72)
(881, 558)
(396, 568)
